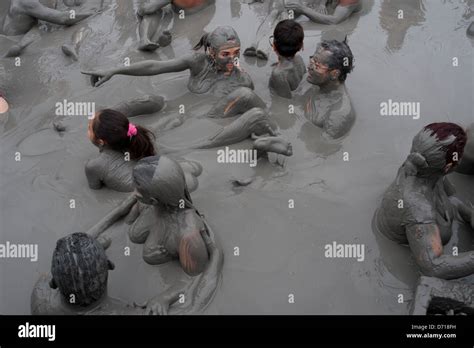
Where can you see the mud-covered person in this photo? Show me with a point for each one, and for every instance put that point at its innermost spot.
(156, 20)
(122, 144)
(332, 12)
(329, 106)
(79, 276)
(22, 19)
(287, 74)
(420, 207)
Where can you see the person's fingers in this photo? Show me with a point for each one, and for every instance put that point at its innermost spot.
(88, 72)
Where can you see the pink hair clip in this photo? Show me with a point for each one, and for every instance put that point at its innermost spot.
(132, 130)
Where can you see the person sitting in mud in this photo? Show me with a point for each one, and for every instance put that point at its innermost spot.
(165, 220)
(156, 18)
(216, 69)
(79, 275)
(287, 74)
(341, 10)
(330, 107)
(22, 19)
(420, 207)
(121, 145)
(466, 166)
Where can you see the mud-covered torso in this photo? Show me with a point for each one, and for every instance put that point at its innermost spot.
(208, 80)
(407, 203)
(330, 111)
(292, 71)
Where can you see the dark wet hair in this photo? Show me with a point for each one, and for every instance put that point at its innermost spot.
(80, 268)
(288, 37)
(112, 127)
(442, 131)
(203, 42)
(341, 57)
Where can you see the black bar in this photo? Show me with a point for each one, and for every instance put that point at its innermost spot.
(261, 330)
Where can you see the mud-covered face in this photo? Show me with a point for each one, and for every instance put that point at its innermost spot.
(226, 59)
(319, 72)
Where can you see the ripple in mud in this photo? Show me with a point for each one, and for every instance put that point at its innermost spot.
(40, 143)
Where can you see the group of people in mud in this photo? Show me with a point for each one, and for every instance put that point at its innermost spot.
(161, 212)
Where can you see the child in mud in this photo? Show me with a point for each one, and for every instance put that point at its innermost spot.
(330, 107)
(22, 19)
(420, 207)
(341, 10)
(79, 276)
(287, 42)
(121, 145)
(156, 20)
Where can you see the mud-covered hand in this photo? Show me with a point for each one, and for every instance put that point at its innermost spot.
(296, 7)
(98, 78)
(158, 305)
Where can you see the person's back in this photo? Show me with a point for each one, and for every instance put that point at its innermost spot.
(289, 71)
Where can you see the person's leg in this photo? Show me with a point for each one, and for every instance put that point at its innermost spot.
(72, 49)
(162, 34)
(146, 28)
(237, 102)
(140, 106)
(18, 48)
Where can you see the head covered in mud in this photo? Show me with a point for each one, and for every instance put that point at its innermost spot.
(436, 149)
(80, 269)
(159, 180)
(112, 128)
(222, 46)
(331, 62)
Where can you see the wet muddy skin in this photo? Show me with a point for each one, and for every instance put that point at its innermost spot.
(281, 249)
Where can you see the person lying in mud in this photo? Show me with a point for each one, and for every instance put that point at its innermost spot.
(22, 19)
(121, 145)
(165, 220)
(156, 20)
(79, 275)
(420, 207)
(215, 70)
(330, 107)
(288, 38)
(341, 10)
(466, 166)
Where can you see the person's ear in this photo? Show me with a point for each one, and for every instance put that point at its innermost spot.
(274, 48)
(52, 284)
(111, 265)
(335, 74)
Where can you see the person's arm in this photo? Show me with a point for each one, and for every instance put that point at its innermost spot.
(340, 13)
(426, 246)
(113, 216)
(152, 7)
(93, 170)
(145, 68)
(37, 10)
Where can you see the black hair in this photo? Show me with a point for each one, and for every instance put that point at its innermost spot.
(80, 269)
(112, 127)
(288, 37)
(341, 57)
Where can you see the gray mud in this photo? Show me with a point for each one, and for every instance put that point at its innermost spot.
(281, 249)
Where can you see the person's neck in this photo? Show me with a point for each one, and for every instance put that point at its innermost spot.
(430, 178)
(283, 60)
(331, 86)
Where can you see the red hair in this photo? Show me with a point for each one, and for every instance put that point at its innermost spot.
(444, 130)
